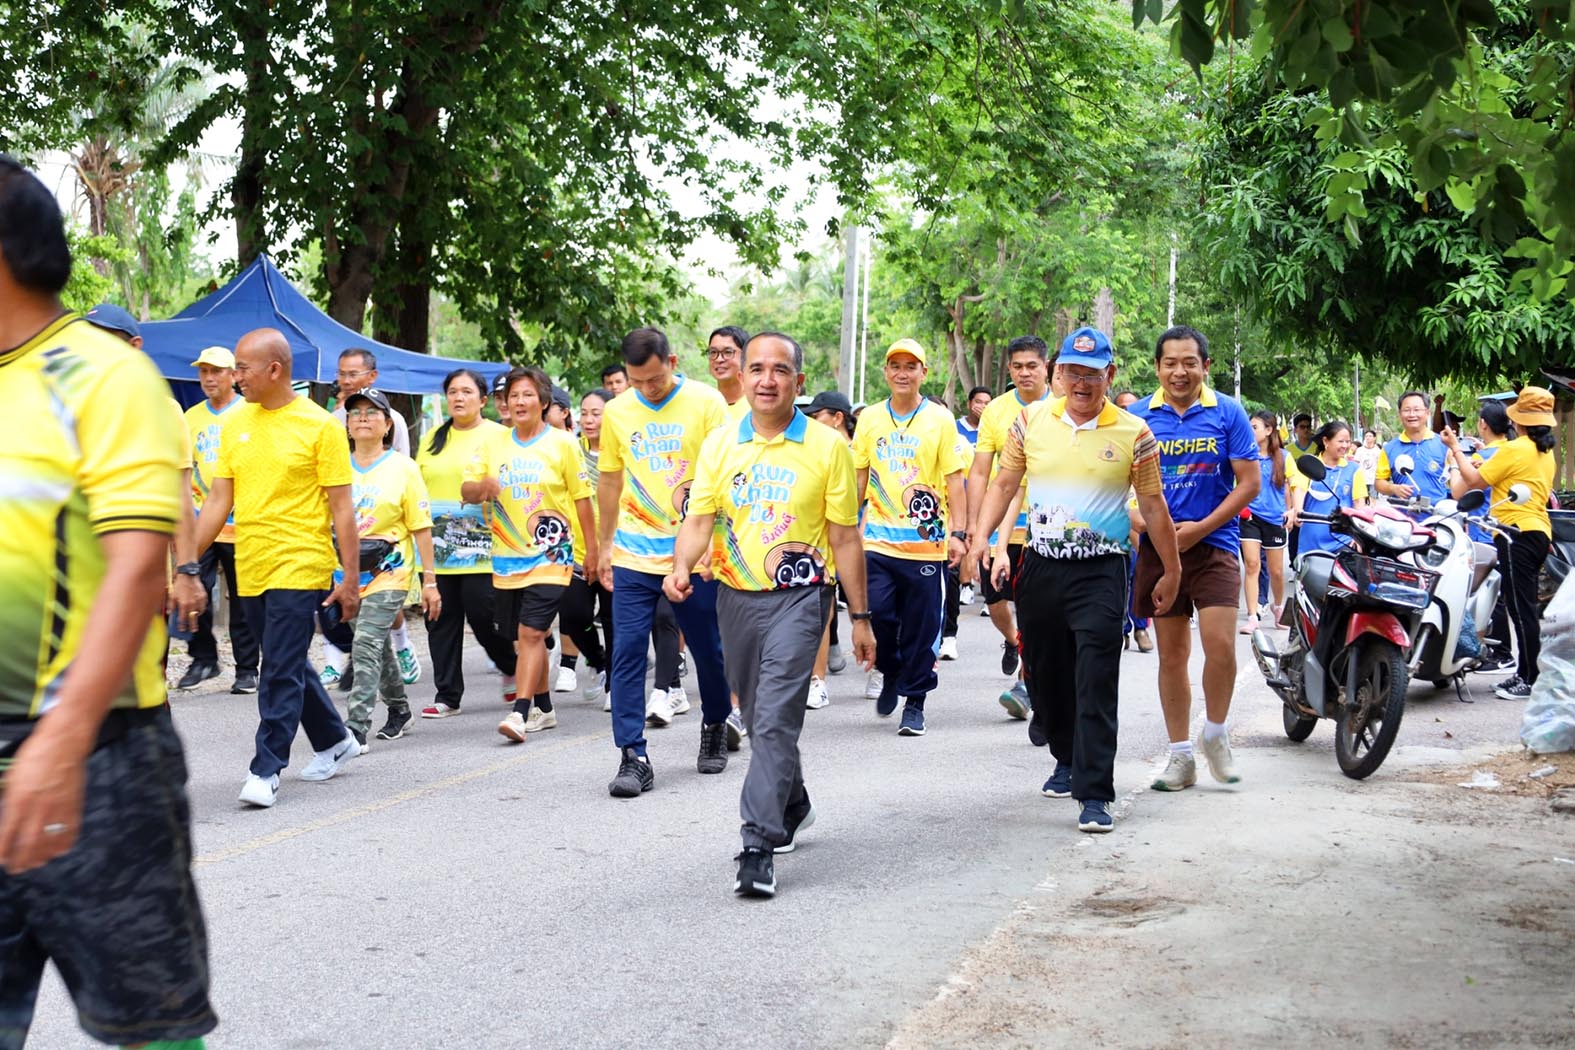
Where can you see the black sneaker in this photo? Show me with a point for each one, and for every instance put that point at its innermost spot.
(346, 680)
(360, 741)
(634, 776)
(1008, 659)
(1513, 688)
(1495, 664)
(398, 725)
(713, 748)
(1036, 736)
(756, 877)
(245, 682)
(197, 674)
(799, 816)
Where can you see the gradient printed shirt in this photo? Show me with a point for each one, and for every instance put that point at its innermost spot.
(461, 533)
(1080, 478)
(909, 458)
(774, 500)
(205, 424)
(98, 451)
(1197, 450)
(390, 503)
(536, 535)
(655, 448)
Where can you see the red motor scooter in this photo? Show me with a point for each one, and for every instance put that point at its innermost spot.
(1352, 615)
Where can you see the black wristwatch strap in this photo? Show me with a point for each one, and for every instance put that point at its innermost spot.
(859, 615)
(189, 568)
(960, 534)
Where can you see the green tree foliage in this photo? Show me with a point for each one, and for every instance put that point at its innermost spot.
(1472, 97)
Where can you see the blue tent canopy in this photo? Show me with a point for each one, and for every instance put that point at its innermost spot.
(260, 297)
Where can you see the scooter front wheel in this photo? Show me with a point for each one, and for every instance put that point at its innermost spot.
(1369, 721)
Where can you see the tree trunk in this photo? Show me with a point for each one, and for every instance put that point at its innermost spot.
(246, 190)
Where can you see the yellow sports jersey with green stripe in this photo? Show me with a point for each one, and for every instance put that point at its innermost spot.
(909, 457)
(655, 448)
(97, 452)
(773, 499)
(994, 423)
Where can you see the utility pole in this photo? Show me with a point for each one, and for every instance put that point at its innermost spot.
(850, 300)
(864, 317)
(1170, 310)
(1356, 397)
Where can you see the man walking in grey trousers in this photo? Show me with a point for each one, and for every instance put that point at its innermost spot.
(785, 492)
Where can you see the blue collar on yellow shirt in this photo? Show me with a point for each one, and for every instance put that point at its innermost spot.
(795, 430)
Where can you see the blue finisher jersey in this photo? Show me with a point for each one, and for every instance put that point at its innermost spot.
(1269, 504)
(1429, 465)
(1196, 453)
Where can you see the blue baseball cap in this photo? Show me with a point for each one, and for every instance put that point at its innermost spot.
(1088, 347)
(112, 318)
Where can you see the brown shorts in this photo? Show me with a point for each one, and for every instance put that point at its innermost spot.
(1209, 577)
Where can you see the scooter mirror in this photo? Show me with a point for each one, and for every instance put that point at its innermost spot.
(1519, 494)
(1404, 464)
(1311, 467)
(1471, 501)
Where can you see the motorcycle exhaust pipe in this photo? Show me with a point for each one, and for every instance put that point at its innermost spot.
(1267, 653)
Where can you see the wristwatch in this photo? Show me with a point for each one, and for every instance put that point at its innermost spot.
(960, 534)
(859, 615)
(189, 568)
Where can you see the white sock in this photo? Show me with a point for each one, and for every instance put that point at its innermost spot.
(336, 657)
(1213, 730)
(400, 639)
(1181, 747)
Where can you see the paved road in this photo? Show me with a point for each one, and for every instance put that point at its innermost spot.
(450, 889)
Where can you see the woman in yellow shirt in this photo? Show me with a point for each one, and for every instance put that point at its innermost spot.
(1527, 460)
(462, 544)
(532, 478)
(391, 510)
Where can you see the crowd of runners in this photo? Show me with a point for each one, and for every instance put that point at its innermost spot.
(722, 524)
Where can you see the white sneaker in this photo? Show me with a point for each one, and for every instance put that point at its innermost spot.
(438, 710)
(948, 648)
(260, 791)
(678, 700)
(513, 727)
(818, 697)
(873, 685)
(1180, 772)
(606, 701)
(326, 763)
(566, 681)
(329, 676)
(595, 687)
(1222, 765)
(540, 720)
(658, 712)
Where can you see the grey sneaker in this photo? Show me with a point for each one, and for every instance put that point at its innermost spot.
(1222, 766)
(836, 663)
(735, 730)
(1180, 773)
(326, 763)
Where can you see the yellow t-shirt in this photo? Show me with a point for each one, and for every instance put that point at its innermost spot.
(774, 500)
(461, 534)
(909, 459)
(205, 425)
(738, 410)
(994, 423)
(282, 460)
(1519, 462)
(98, 451)
(536, 534)
(1079, 480)
(390, 503)
(655, 448)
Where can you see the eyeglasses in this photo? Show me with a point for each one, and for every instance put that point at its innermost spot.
(1083, 378)
(720, 355)
(363, 413)
(353, 375)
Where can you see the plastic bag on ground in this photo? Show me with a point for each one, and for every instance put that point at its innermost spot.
(1548, 725)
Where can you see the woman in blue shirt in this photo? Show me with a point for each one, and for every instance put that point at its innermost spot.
(1344, 485)
(1263, 529)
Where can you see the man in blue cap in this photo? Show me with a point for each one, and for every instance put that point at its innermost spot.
(1209, 460)
(1080, 456)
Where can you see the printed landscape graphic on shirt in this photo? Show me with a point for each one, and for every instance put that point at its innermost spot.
(461, 536)
(1055, 533)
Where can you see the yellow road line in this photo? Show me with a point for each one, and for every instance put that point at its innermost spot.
(273, 838)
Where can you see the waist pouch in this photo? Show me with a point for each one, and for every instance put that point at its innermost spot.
(374, 553)
(116, 724)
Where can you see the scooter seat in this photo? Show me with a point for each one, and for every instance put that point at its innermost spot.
(1486, 558)
(1312, 571)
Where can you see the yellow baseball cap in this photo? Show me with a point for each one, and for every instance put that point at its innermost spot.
(910, 347)
(217, 356)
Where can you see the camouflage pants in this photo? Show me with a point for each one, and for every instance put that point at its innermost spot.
(372, 656)
(118, 915)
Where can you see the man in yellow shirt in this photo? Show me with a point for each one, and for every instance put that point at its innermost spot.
(95, 833)
(911, 475)
(205, 425)
(1081, 457)
(784, 492)
(651, 438)
(284, 469)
